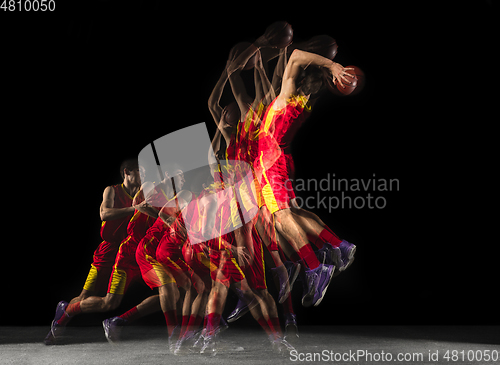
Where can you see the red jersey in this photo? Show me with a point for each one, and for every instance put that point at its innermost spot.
(116, 230)
(284, 123)
(140, 222)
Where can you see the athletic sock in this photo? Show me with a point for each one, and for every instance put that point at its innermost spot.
(265, 326)
(213, 322)
(274, 323)
(171, 319)
(184, 326)
(131, 315)
(308, 256)
(327, 235)
(71, 310)
(194, 323)
(198, 320)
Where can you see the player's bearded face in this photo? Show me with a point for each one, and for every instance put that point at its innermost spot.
(135, 177)
(179, 179)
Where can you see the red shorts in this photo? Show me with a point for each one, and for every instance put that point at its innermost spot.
(277, 189)
(290, 169)
(102, 265)
(153, 273)
(255, 272)
(197, 259)
(223, 265)
(169, 255)
(125, 269)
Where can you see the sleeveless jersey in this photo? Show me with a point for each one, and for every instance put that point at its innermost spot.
(116, 230)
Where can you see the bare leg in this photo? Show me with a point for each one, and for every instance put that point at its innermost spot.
(101, 304)
(291, 231)
(83, 295)
(149, 305)
(309, 222)
(169, 296)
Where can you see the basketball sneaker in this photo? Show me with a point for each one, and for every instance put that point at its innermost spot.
(348, 250)
(113, 328)
(330, 255)
(242, 307)
(238, 312)
(324, 277)
(291, 329)
(281, 273)
(56, 330)
(172, 339)
(309, 283)
(210, 344)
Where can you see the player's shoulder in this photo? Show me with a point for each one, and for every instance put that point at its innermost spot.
(109, 190)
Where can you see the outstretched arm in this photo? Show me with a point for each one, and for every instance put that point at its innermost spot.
(279, 70)
(301, 59)
(213, 100)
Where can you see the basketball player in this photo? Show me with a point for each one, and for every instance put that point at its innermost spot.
(282, 120)
(236, 136)
(116, 211)
(225, 272)
(126, 268)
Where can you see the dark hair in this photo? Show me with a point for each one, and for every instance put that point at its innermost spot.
(130, 164)
(311, 81)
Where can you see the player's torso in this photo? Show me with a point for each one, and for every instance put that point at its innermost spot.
(116, 230)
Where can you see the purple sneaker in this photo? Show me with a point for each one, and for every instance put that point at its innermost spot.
(238, 312)
(309, 285)
(113, 328)
(324, 278)
(242, 307)
(293, 270)
(291, 328)
(348, 250)
(330, 255)
(56, 330)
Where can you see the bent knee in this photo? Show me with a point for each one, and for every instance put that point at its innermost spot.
(111, 303)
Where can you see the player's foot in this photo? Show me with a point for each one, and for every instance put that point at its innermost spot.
(293, 269)
(172, 339)
(56, 330)
(309, 286)
(185, 343)
(238, 312)
(348, 250)
(324, 277)
(281, 273)
(200, 336)
(281, 346)
(113, 328)
(330, 255)
(291, 328)
(209, 344)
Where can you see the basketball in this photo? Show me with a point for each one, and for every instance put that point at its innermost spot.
(239, 48)
(279, 34)
(357, 77)
(231, 114)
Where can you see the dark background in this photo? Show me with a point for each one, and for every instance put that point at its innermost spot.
(94, 82)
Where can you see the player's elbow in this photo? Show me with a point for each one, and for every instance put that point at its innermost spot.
(295, 56)
(104, 213)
